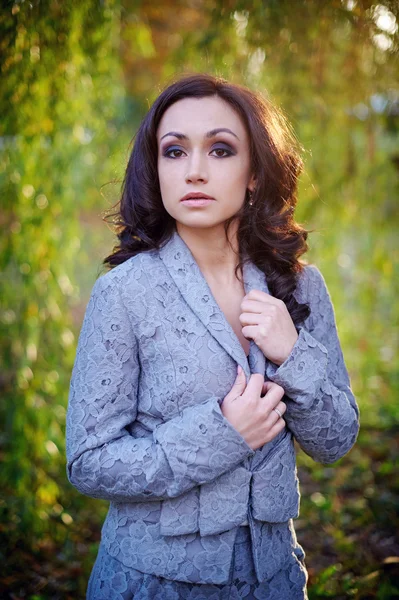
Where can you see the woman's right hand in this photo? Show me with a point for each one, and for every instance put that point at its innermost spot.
(251, 413)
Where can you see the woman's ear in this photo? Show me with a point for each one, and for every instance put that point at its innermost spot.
(252, 183)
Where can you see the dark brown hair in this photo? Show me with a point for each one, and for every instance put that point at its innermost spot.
(267, 232)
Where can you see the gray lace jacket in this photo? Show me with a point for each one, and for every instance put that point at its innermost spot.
(156, 356)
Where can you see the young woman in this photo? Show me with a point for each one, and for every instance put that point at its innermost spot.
(205, 351)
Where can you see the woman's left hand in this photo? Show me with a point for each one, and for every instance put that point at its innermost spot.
(267, 322)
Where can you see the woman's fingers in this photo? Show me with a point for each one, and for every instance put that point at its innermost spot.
(277, 412)
(276, 428)
(273, 392)
(251, 413)
(239, 385)
(254, 387)
(273, 404)
(269, 385)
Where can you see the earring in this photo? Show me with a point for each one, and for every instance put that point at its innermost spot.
(251, 202)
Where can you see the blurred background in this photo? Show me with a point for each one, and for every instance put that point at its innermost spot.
(76, 79)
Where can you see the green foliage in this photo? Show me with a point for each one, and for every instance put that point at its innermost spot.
(349, 516)
(77, 76)
(63, 91)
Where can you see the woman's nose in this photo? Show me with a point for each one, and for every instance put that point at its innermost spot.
(197, 170)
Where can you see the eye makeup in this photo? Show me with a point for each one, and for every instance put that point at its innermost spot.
(224, 146)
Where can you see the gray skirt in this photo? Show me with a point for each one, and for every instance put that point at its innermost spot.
(111, 580)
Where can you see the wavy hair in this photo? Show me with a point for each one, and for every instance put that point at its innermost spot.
(267, 233)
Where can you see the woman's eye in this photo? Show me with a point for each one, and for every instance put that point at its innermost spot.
(222, 152)
(178, 152)
(173, 153)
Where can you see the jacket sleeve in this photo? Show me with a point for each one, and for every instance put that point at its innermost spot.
(321, 409)
(104, 459)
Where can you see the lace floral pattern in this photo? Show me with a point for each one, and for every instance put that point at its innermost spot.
(321, 409)
(155, 358)
(111, 580)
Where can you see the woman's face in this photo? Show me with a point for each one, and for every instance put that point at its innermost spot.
(203, 147)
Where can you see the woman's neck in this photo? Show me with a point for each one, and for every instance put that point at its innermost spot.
(213, 253)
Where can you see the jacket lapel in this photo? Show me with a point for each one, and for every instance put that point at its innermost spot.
(255, 279)
(195, 290)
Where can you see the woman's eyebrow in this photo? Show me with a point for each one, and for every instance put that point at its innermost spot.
(209, 134)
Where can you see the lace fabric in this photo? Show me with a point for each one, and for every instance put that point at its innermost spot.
(321, 409)
(111, 580)
(155, 358)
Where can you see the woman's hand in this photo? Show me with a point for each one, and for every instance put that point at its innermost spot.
(268, 323)
(253, 414)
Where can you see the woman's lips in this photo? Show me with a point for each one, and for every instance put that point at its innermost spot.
(197, 201)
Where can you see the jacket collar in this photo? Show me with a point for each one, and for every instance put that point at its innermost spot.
(195, 290)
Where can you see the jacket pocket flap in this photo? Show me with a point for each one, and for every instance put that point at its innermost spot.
(224, 502)
(274, 487)
(273, 544)
(179, 515)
